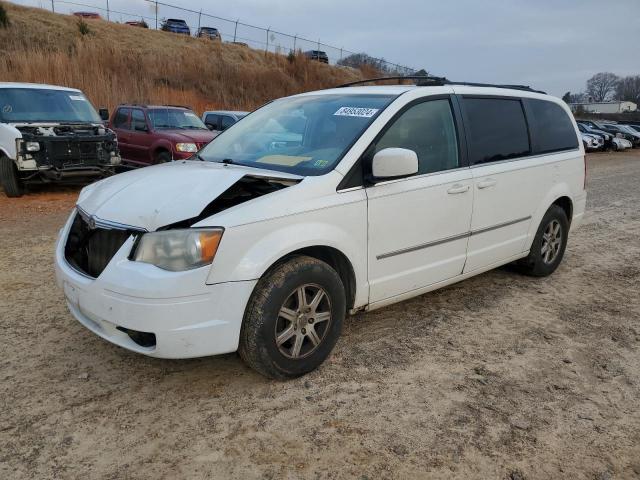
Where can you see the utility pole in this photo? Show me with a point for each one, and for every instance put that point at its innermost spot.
(267, 48)
(156, 14)
(294, 43)
(235, 31)
(53, 7)
(199, 18)
(108, 11)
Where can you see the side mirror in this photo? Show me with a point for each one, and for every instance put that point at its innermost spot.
(394, 163)
(210, 126)
(104, 114)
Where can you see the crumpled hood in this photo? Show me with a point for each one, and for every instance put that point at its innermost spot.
(153, 197)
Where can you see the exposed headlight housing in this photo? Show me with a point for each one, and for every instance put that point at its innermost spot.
(32, 146)
(178, 250)
(186, 147)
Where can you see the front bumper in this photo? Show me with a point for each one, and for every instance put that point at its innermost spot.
(187, 317)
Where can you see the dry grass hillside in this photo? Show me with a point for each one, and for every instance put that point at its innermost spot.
(115, 63)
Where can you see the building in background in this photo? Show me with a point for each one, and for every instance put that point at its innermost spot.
(604, 107)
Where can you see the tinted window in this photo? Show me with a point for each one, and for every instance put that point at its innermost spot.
(137, 120)
(227, 121)
(551, 128)
(429, 130)
(496, 129)
(121, 118)
(213, 119)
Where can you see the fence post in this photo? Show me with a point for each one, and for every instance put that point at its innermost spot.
(53, 7)
(318, 44)
(341, 53)
(295, 38)
(108, 19)
(267, 47)
(156, 14)
(199, 18)
(235, 31)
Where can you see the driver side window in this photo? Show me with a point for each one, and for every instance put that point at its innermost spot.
(429, 130)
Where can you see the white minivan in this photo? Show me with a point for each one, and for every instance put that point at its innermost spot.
(320, 205)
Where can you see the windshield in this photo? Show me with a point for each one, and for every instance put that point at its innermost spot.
(304, 135)
(45, 105)
(163, 118)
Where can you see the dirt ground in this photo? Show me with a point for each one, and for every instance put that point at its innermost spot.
(501, 376)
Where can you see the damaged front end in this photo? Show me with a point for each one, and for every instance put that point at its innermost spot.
(65, 151)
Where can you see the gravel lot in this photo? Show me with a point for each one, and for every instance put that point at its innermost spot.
(501, 376)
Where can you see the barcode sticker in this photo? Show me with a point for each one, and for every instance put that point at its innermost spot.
(356, 112)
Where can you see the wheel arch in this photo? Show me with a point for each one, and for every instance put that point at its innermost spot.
(335, 259)
(566, 204)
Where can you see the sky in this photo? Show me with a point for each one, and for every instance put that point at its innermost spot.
(552, 45)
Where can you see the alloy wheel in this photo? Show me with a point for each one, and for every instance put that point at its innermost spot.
(551, 241)
(303, 321)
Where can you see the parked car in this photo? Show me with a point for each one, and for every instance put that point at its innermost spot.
(620, 144)
(151, 134)
(209, 32)
(88, 15)
(623, 131)
(592, 142)
(317, 55)
(137, 23)
(607, 138)
(51, 134)
(219, 120)
(176, 25)
(264, 246)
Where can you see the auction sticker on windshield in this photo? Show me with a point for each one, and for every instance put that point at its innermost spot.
(356, 112)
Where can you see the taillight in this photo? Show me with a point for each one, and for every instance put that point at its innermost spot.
(584, 186)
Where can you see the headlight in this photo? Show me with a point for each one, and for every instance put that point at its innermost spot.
(186, 147)
(32, 146)
(178, 250)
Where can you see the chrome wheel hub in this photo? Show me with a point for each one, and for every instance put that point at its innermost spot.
(551, 242)
(303, 321)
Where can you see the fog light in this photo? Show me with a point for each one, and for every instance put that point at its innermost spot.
(32, 146)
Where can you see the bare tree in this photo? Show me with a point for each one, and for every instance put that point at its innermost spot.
(628, 88)
(602, 86)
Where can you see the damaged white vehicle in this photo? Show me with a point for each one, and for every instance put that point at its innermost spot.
(319, 205)
(51, 134)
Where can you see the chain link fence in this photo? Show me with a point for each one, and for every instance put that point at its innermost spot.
(267, 39)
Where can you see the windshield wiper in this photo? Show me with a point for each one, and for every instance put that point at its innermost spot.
(228, 161)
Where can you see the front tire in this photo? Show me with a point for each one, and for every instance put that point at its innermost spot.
(549, 244)
(162, 157)
(293, 319)
(9, 179)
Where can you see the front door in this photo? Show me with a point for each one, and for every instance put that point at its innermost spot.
(419, 226)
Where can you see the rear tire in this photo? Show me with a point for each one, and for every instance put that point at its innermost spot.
(9, 179)
(549, 244)
(293, 318)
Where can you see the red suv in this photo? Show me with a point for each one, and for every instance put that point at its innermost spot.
(149, 134)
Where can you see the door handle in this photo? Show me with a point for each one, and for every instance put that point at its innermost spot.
(486, 183)
(458, 188)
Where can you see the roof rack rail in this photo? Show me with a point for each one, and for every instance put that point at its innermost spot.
(429, 81)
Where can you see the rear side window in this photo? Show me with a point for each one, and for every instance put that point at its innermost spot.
(212, 119)
(227, 121)
(551, 128)
(496, 129)
(121, 118)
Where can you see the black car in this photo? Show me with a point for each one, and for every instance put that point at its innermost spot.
(176, 25)
(317, 55)
(209, 32)
(623, 131)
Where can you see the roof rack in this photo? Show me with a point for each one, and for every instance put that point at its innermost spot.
(429, 81)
